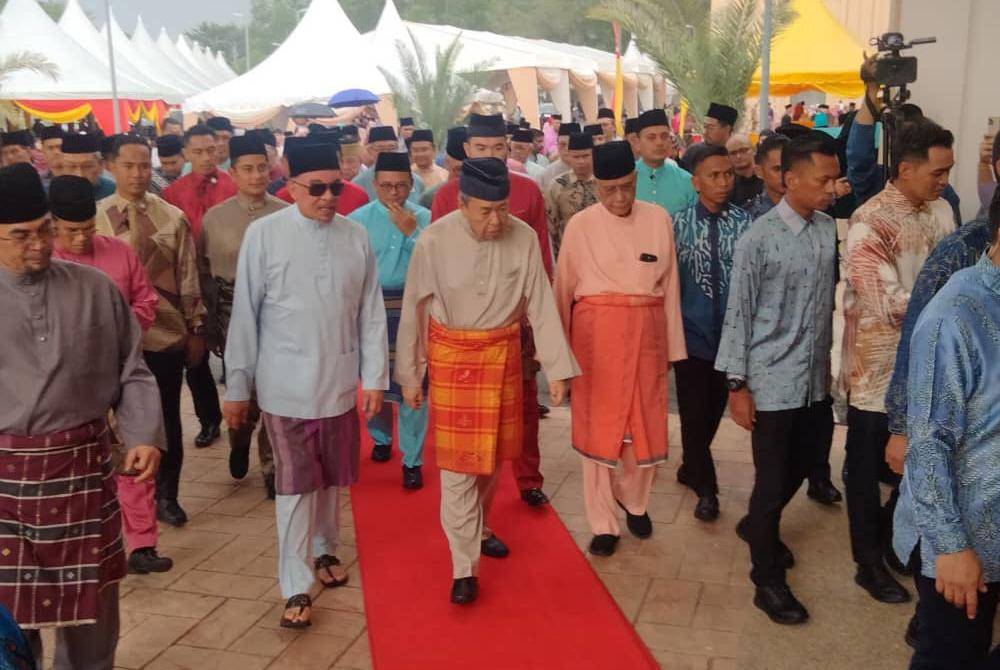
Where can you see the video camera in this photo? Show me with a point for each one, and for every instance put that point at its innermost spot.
(891, 68)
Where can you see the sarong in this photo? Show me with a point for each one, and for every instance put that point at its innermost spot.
(60, 525)
(620, 342)
(393, 299)
(313, 454)
(475, 396)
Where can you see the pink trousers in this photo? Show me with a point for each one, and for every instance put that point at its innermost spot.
(604, 488)
(138, 503)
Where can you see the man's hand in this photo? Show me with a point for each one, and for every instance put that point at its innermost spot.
(404, 219)
(235, 413)
(413, 396)
(960, 579)
(144, 460)
(841, 187)
(194, 350)
(371, 403)
(557, 391)
(895, 453)
(742, 409)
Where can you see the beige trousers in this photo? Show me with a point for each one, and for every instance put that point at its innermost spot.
(605, 487)
(465, 503)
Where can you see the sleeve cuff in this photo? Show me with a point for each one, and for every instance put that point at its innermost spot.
(237, 386)
(949, 539)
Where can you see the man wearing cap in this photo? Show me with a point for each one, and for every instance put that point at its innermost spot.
(170, 151)
(71, 201)
(307, 323)
(406, 128)
(423, 153)
(394, 225)
(82, 158)
(659, 180)
(71, 354)
(606, 119)
(596, 131)
(521, 146)
(485, 139)
(720, 121)
(351, 195)
(380, 140)
(572, 192)
(222, 129)
(705, 234)
(50, 139)
(466, 315)
(618, 291)
(218, 248)
(454, 154)
(16, 146)
(351, 151)
(161, 237)
(559, 166)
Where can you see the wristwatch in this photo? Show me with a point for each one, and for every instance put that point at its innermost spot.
(736, 384)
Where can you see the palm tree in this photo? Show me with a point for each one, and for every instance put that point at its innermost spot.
(709, 57)
(435, 96)
(21, 60)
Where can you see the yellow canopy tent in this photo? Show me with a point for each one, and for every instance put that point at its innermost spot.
(814, 53)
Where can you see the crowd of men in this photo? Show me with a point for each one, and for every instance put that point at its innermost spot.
(443, 282)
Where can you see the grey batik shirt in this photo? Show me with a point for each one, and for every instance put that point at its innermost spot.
(778, 329)
(70, 351)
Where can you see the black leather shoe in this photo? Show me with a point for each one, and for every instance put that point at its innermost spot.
(493, 547)
(825, 493)
(638, 525)
(786, 557)
(912, 636)
(209, 434)
(707, 508)
(778, 603)
(168, 511)
(897, 565)
(413, 478)
(543, 411)
(269, 486)
(682, 477)
(145, 561)
(464, 590)
(239, 461)
(534, 497)
(381, 453)
(603, 545)
(876, 580)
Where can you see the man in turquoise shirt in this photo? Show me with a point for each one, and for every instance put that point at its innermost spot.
(658, 179)
(393, 224)
(382, 139)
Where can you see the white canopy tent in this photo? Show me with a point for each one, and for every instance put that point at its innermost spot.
(146, 63)
(188, 57)
(300, 70)
(143, 42)
(169, 49)
(220, 59)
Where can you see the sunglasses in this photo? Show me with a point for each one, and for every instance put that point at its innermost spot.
(317, 189)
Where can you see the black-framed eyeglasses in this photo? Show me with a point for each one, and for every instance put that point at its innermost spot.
(317, 189)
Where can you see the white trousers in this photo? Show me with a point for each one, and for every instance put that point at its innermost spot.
(306, 522)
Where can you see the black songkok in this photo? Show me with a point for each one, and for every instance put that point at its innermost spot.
(81, 144)
(523, 135)
(651, 119)
(382, 134)
(168, 145)
(593, 129)
(557, 117)
(482, 125)
(18, 138)
(580, 141)
(406, 121)
(265, 135)
(792, 130)
(50, 133)
(722, 113)
(310, 157)
(246, 145)
(485, 179)
(631, 126)
(422, 135)
(605, 113)
(613, 160)
(455, 146)
(71, 198)
(22, 197)
(220, 123)
(569, 128)
(392, 161)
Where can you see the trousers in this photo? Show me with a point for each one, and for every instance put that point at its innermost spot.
(465, 506)
(785, 443)
(604, 489)
(204, 393)
(87, 647)
(241, 438)
(168, 369)
(412, 430)
(701, 401)
(307, 522)
(870, 522)
(526, 466)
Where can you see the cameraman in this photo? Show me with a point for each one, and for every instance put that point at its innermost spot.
(863, 171)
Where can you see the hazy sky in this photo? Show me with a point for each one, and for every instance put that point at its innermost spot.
(176, 15)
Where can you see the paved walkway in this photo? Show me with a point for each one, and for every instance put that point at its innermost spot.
(686, 588)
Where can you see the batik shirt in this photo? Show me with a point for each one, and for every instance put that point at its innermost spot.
(760, 205)
(779, 319)
(950, 493)
(567, 195)
(961, 249)
(887, 243)
(705, 243)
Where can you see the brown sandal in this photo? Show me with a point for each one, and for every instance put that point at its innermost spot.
(302, 601)
(324, 563)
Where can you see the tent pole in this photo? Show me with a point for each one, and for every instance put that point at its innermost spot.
(111, 64)
(764, 97)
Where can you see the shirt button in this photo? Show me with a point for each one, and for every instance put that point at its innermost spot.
(42, 338)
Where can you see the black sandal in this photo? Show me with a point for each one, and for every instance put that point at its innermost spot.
(302, 601)
(325, 562)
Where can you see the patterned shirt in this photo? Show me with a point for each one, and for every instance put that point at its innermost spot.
(567, 195)
(158, 182)
(705, 243)
(668, 186)
(961, 249)
(158, 232)
(887, 243)
(779, 320)
(760, 205)
(950, 493)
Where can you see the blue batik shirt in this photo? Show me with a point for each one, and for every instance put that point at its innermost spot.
(958, 250)
(949, 499)
(705, 244)
(759, 205)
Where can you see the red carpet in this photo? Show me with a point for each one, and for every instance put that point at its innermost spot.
(541, 607)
